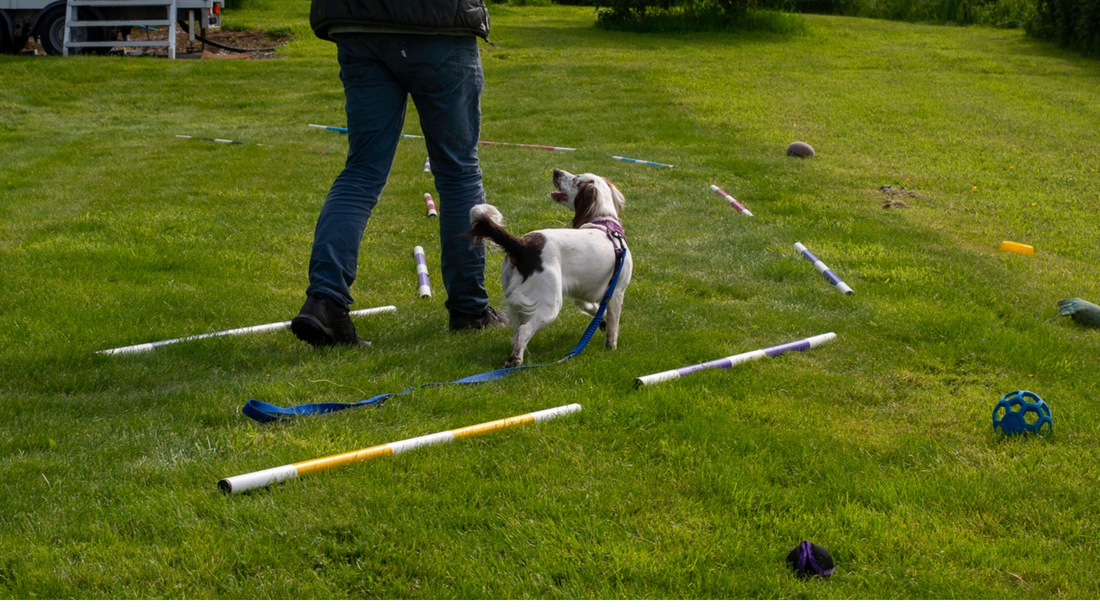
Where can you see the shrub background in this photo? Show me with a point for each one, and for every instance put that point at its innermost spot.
(1074, 24)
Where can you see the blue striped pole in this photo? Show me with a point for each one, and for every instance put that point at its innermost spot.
(344, 130)
(825, 271)
(641, 161)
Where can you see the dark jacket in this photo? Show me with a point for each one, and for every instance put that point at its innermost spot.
(429, 16)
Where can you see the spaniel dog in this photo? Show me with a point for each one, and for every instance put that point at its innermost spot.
(544, 266)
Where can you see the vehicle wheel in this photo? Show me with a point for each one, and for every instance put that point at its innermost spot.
(51, 32)
(7, 45)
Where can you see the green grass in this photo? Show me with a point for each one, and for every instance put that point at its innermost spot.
(876, 445)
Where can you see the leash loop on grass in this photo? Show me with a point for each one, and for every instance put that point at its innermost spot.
(262, 411)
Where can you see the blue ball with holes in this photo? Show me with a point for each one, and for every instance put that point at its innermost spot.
(1021, 412)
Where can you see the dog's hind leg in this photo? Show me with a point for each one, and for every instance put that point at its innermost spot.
(611, 317)
(530, 323)
(522, 335)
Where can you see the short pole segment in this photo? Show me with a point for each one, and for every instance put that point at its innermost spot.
(729, 198)
(422, 284)
(242, 331)
(825, 271)
(737, 359)
(262, 479)
(218, 140)
(430, 203)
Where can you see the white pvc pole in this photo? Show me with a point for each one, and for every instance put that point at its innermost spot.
(730, 361)
(423, 286)
(262, 479)
(827, 273)
(731, 199)
(242, 331)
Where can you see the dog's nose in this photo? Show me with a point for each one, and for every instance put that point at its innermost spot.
(558, 174)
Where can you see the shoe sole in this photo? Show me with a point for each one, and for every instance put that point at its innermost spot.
(311, 331)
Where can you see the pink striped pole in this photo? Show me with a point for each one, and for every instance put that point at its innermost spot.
(431, 205)
(528, 146)
(729, 198)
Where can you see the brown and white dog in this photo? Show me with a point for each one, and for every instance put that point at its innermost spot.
(544, 266)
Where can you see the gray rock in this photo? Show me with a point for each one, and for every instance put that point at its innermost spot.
(800, 149)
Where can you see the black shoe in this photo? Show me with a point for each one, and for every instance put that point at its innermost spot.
(323, 321)
(488, 318)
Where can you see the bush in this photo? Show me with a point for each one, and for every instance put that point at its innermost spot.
(692, 16)
(1002, 13)
(1074, 24)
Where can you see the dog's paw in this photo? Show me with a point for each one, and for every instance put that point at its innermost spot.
(512, 362)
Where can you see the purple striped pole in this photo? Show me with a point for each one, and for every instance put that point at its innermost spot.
(729, 198)
(825, 271)
(431, 204)
(423, 287)
(737, 359)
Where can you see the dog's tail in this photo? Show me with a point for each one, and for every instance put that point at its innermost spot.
(486, 223)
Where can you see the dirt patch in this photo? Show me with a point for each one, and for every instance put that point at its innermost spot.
(252, 44)
(894, 196)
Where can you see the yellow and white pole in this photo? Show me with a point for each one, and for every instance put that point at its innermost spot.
(262, 479)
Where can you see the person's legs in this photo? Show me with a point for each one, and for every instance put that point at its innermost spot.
(375, 102)
(443, 74)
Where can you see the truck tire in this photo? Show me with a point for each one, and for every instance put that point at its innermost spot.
(51, 32)
(9, 43)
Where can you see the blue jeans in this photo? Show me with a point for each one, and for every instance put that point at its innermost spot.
(380, 71)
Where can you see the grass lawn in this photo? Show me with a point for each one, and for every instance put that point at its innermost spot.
(877, 445)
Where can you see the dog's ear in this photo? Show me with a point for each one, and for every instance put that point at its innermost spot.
(616, 197)
(583, 203)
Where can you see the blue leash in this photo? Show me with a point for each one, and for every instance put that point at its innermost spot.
(266, 412)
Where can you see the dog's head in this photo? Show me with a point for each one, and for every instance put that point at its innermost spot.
(590, 197)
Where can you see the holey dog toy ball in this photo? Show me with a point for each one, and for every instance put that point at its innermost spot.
(1022, 411)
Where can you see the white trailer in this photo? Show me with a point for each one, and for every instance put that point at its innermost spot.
(98, 24)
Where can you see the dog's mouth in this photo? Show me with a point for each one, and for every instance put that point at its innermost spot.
(559, 197)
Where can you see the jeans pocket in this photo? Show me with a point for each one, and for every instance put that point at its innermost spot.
(431, 64)
(358, 61)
